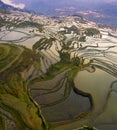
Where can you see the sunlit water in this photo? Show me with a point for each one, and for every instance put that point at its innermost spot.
(101, 83)
(73, 106)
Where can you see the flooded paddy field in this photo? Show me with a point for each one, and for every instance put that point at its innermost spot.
(58, 99)
(74, 83)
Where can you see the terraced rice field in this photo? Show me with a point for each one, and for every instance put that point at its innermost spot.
(9, 55)
(17, 110)
(59, 81)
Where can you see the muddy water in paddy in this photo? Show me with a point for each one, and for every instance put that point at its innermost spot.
(56, 104)
(69, 109)
(102, 86)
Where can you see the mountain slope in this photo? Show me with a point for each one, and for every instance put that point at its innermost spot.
(4, 8)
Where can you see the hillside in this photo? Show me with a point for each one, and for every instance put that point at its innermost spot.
(4, 6)
(55, 72)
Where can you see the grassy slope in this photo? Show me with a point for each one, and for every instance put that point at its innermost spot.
(14, 97)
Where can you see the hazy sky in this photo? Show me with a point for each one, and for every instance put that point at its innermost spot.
(29, 3)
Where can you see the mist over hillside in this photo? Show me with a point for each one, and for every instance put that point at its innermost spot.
(101, 11)
(47, 6)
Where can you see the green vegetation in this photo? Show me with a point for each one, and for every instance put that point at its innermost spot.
(82, 39)
(75, 61)
(25, 24)
(2, 123)
(9, 56)
(65, 57)
(43, 43)
(17, 101)
(72, 29)
(69, 30)
(14, 97)
(92, 31)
